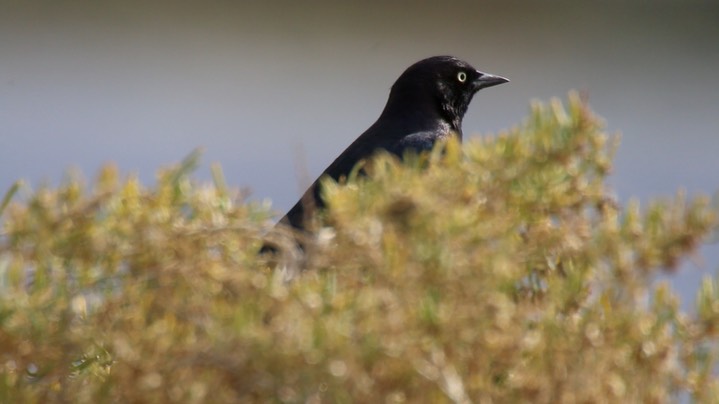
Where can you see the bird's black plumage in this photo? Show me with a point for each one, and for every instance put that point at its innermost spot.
(426, 103)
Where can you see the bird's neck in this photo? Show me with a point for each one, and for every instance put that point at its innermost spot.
(453, 118)
(452, 112)
(419, 111)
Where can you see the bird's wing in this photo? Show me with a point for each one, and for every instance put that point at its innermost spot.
(418, 142)
(374, 139)
(361, 148)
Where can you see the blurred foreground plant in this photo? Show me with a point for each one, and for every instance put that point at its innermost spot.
(501, 271)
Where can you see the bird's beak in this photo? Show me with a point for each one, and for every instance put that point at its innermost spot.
(488, 80)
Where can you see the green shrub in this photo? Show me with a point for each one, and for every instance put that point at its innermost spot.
(497, 271)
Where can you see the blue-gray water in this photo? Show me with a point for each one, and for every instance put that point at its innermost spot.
(267, 88)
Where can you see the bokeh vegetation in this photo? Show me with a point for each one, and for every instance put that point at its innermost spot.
(497, 271)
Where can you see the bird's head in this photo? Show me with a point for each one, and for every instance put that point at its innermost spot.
(443, 84)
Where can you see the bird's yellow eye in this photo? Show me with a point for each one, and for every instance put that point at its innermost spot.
(462, 77)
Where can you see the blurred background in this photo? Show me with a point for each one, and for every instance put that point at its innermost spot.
(273, 91)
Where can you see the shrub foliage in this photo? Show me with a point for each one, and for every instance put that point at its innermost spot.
(497, 271)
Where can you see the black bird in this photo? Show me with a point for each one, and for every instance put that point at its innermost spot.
(426, 103)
